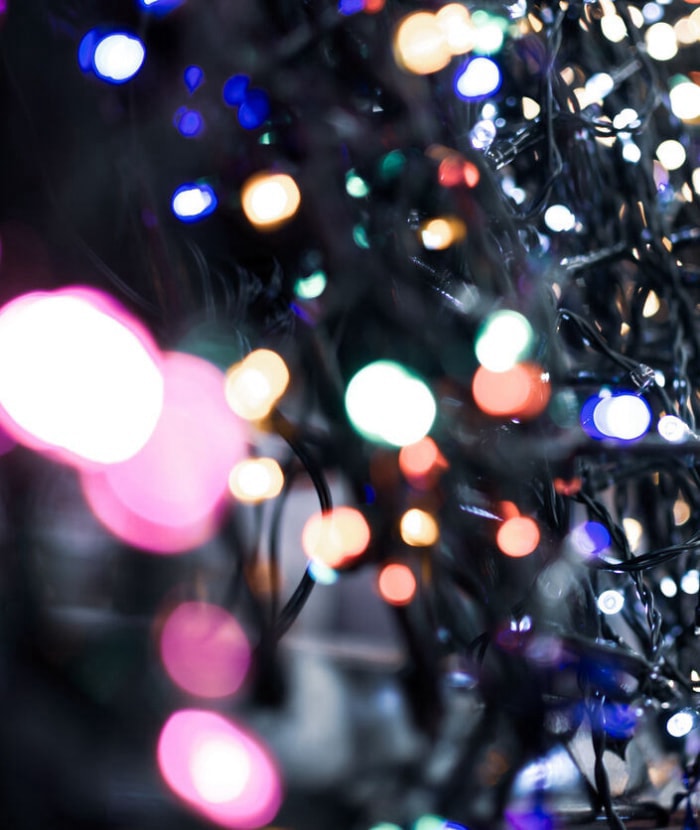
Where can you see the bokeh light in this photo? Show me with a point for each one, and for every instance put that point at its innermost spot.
(633, 531)
(668, 586)
(421, 458)
(397, 584)
(455, 22)
(681, 723)
(518, 536)
(256, 479)
(590, 538)
(189, 123)
(611, 602)
(613, 28)
(335, 537)
(438, 234)
(671, 154)
(192, 202)
(79, 377)
(168, 497)
(193, 77)
(117, 57)
(219, 770)
(690, 582)
(418, 528)
(235, 89)
(270, 199)
(254, 385)
(254, 109)
(308, 288)
(480, 78)
(388, 404)
(684, 97)
(504, 338)
(624, 416)
(673, 429)
(661, 42)
(520, 392)
(204, 650)
(559, 218)
(420, 45)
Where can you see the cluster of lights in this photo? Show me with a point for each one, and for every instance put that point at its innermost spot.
(336, 537)
(425, 42)
(623, 416)
(252, 105)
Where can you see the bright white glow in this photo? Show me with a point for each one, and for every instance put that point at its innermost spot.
(480, 78)
(75, 377)
(680, 724)
(482, 134)
(633, 531)
(386, 403)
(599, 85)
(673, 429)
(661, 41)
(193, 201)
(611, 602)
(118, 57)
(613, 28)
(625, 416)
(627, 117)
(685, 100)
(690, 582)
(504, 340)
(631, 152)
(559, 218)
(488, 39)
(220, 770)
(668, 586)
(531, 109)
(671, 154)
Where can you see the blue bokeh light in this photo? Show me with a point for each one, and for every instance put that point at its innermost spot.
(192, 202)
(114, 56)
(235, 90)
(349, 7)
(254, 110)
(159, 6)
(194, 76)
(189, 122)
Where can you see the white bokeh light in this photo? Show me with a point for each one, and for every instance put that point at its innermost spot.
(559, 218)
(690, 582)
(624, 416)
(673, 429)
(220, 770)
(481, 77)
(611, 602)
(118, 57)
(680, 724)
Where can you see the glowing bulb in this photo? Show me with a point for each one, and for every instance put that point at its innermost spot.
(681, 511)
(600, 85)
(680, 724)
(559, 218)
(335, 537)
(651, 305)
(661, 42)
(690, 582)
(625, 416)
(270, 199)
(254, 385)
(613, 28)
(631, 152)
(531, 109)
(118, 57)
(520, 392)
(420, 45)
(220, 770)
(397, 584)
(673, 429)
(455, 23)
(386, 403)
(503, 340)
(611, 602)
(671, 154)
(480, 78)
(439, 234)
(311, 287)
(419, 528)
(256, 479)
(685, 100)
(518, 536)
(191, 202)
(668, 586)
(633, 531)
(421, 458)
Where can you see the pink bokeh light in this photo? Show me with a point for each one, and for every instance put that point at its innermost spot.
(168, 497)
(204, 650)
(219, 770)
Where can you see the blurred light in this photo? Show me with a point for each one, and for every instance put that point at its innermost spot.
(218, 769)
(668, 586)
(631, 152)
(256, 479)
(685, 100)
(680, 724)
(504, 339)
(455, 23)
(421, 458)
(651, 305)
(193, 76)
(235, 90)
(613, 28)
(600, 85)
(488, 36)
(385, 825)
(590, 538)
(624, 416)
(204, 650)
(687, 31)
(673, 429)
(480, 78)
(397, 584)
(420, 45)
(482, 134)
(335, 537)
(439, 234)
(321, 573)
(695, 178)
(681, 511)
(388, 404)
(429, 822)
(269, 199)
(79, 377)
(611, 602)
(520, 392)
(652, 12)
(355, 185)
(168, 497)
(189, 122)
(471, 174)
(559, 218)
(633, 531)
(531, 109)
(671, 154)
(254, 385)
(690, 582)
(627, 117)
(159, 6)
(661, 42)
(308, 288)
(518, 536)
(254, 109)
(118, 57)
(359, 237)
(191, 202)
(348, 7)
(418, 528)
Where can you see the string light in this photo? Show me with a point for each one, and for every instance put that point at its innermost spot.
(270, 199)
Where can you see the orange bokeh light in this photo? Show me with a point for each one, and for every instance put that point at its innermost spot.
(471, 174)
(373, 6)
(335, 537)
(421, 458)
(397, 584)
(518, 536)
(520, 392)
